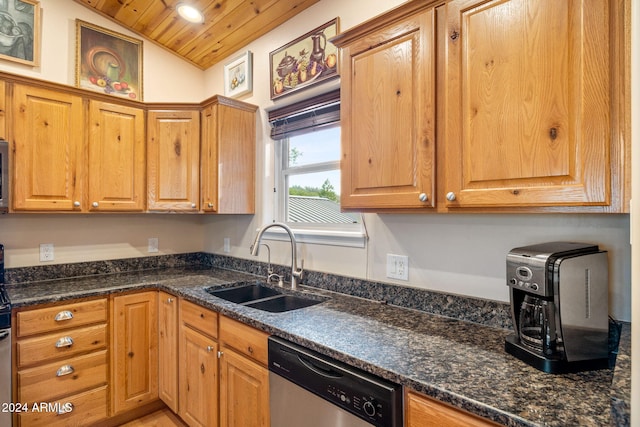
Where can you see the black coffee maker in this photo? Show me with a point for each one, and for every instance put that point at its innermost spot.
(559, 306)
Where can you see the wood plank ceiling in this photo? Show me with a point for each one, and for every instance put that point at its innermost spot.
(228, 25)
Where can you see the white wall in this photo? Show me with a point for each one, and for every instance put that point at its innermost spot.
(94, 237)
(463, 254)
(164, 77)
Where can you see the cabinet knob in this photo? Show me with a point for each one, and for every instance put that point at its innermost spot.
(423, 197)
(209, 348)
(169, 300)
(63, 315)
(220, 354)
(95, 204)
(76, 204)
(210, 204)
(193, 205)
(451, 196)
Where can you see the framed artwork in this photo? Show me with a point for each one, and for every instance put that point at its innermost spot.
(20, 31)
(108, 62)
(305, 61)
(238, 77)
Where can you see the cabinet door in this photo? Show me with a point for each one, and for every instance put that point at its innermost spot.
(116, 171)
(228, 157)
(134, 355)
(527, 120)
(422, 411)
(48, 150)
(173, 160)
(198, 378)
(3, 111)
(387, 116)
(168, 350)
(244, 391)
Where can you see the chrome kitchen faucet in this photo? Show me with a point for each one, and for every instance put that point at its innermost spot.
(296, 273)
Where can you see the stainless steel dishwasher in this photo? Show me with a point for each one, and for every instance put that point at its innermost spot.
(312, 390)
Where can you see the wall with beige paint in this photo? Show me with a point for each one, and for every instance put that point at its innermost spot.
(462, 254)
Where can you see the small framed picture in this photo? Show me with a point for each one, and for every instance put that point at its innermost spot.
(238, 78)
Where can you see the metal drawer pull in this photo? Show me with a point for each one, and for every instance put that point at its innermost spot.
(64, 370)
(65, 408)
(209, 348)
(63, 315)
(64, 342)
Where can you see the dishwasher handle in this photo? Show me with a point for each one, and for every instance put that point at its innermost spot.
(319, 370)
(4, 334)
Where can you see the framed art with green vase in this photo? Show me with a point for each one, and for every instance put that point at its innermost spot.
(108, 62)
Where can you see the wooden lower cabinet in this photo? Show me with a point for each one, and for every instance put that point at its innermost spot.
(422, 411)
(244, 377)
(198, 365)
(244, 391)
(168, 350)
(198, 378)
(77, 410)
(61, 363)
(134, 358)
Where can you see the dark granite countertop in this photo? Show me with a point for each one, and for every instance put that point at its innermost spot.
(458, 362)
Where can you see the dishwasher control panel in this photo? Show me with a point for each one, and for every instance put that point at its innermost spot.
(367, 396)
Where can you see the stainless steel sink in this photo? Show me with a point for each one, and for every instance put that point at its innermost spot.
(283, 303)
(264, 298)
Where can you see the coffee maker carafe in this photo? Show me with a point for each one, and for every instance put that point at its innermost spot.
(559, 306)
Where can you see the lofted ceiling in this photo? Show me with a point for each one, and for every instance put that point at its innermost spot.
(228, 25)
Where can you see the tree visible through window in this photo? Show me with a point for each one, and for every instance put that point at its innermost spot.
(311, 178)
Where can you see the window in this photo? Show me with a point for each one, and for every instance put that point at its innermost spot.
(307, 170)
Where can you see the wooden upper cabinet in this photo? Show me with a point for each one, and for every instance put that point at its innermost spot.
(3, 110)
(116, 173)
(528, 103)
(47, 160)
(387, 110)
(227, 161)
(173, 160)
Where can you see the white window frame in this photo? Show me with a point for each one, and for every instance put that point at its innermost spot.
(350, 235)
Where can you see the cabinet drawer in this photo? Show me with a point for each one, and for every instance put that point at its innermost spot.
(43, 383)
(30, 322)
(200, 318)
(66, 343)
(80, 409)
(245, 339)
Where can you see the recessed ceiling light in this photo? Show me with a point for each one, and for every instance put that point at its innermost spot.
(190, 13)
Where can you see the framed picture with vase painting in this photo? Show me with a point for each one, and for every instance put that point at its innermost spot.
(304, 62)
(108, 62)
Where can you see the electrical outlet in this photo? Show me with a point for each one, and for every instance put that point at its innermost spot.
(46, 252)
(227, 245)
(398, 267)
(153, 245)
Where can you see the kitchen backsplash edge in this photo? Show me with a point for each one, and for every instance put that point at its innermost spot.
(486, 312)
